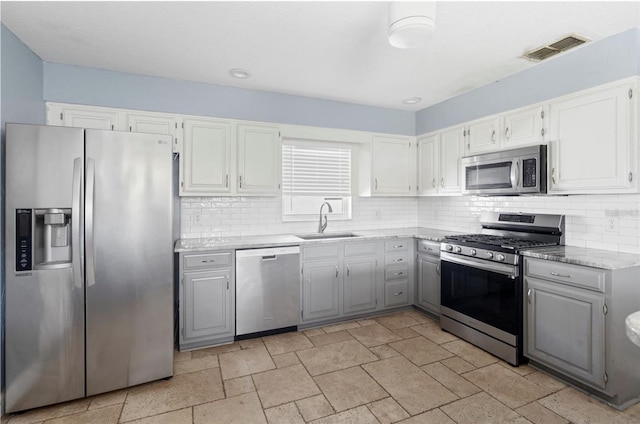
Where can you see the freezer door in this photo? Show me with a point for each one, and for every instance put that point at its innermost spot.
(44, 321)
(129, 259)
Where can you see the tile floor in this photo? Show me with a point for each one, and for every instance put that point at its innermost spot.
(394, 368)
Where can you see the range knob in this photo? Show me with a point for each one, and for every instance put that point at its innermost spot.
(490, 255)
(449, 247)
(472, 252)
(458, 249)
(500, 257)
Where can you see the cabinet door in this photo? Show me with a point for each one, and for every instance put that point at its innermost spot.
(565, 330)
(392, 166)
(259, 157)
(206, 158)
(592, 143)
(451, 149)
(483, 136)
(320, 290)
(428, 164)
(90, 118)
(208, 307)
(359, 285)
(524, 126)
(429, 283)
(155, 124)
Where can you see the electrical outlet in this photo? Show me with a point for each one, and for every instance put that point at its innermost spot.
(611, 225)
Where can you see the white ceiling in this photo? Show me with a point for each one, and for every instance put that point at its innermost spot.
(329, 50)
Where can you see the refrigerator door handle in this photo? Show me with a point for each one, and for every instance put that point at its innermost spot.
(76, 239)
(89, 211)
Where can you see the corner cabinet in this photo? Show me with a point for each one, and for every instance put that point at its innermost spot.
(259, 160)
(206, 294)
(439, 169)
(393, 169)
(594, 141)
(206, 157)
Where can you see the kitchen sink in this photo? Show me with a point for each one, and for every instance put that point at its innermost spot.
(326, 236)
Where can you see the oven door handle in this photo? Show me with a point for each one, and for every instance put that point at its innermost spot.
(509, 270)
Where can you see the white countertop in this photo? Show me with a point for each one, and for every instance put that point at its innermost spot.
(275, 240)
(595, 258)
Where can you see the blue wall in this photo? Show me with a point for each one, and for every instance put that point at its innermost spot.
(22, 82)
(606, 60)
(76, 84)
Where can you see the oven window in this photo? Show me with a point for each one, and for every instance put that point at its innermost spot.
(482, 177)
(484, 295)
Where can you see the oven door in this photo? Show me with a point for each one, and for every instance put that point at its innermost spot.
(488, 293)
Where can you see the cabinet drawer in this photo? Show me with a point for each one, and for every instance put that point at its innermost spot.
(574, 275)
(322, 252)
(396, 293)
(428, 247)
(396, 245)
(207, 260)
(399, 259)
(360, 249)
(396, 273)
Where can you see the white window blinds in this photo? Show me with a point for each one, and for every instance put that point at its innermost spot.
(316, 169)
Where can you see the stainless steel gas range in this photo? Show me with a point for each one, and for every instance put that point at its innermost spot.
(481, 283)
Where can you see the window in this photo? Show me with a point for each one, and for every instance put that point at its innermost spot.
(313, 173)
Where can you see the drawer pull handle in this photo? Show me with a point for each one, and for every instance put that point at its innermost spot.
(398, 260)
(399, 273)
(555, 274)
(398, 246)
(208, 261)
(398, 293)
(438, 269)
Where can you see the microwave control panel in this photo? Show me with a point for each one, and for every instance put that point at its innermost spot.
(529, 172)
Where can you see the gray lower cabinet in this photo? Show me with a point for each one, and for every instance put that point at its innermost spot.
(206, 308)
(398, 272)
(428, 275)
(574, 326)
(565, 329)
(321, 283)
(359, 285)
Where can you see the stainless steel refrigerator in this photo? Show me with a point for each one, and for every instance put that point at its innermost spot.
(89, 262)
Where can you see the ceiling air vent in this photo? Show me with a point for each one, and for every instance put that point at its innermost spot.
(551, 49)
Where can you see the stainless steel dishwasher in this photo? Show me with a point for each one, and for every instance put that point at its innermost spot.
(267, 289)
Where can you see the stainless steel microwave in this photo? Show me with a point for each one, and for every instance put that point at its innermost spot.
(509, 172)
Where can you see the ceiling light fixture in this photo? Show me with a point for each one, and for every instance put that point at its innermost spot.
(412, 100)
(239, 73)
(411, 24)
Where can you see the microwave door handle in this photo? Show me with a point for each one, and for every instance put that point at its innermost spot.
(518, 173)
(514, 174)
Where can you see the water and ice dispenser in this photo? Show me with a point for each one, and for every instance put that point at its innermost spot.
(43, 239)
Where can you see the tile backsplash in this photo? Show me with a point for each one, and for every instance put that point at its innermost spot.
(239, 216)
(610, 222)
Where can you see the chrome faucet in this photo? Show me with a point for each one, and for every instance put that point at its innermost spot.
(322, 226)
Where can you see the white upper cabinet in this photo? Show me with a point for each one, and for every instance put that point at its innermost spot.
(259, 160)
(593, 141)
(85, 117)
(156, 124)
(393, 166)
(206, 157)
(482, 135)
(451, 150)
(428, 164)
(525, 126)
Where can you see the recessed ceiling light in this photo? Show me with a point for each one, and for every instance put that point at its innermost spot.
(412, 100)
(239, 73)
